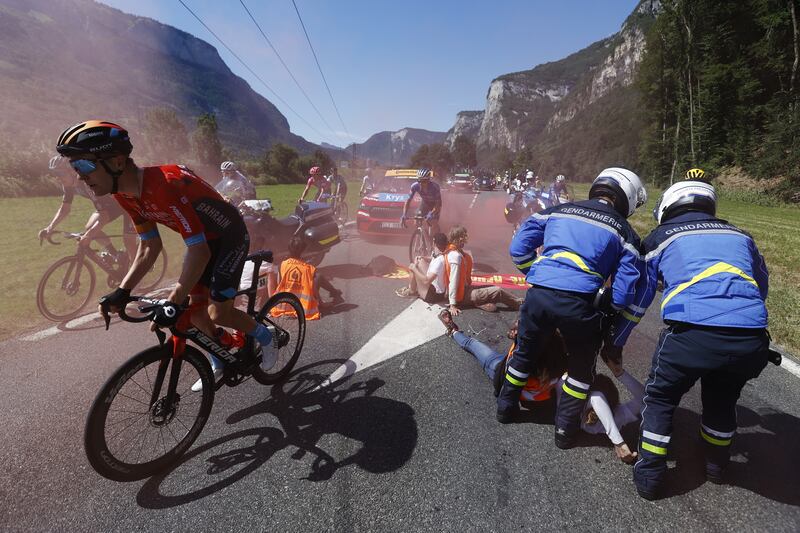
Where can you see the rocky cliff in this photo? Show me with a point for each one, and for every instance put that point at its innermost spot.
(468, 123)
(68, 60)
(395, 148)
(556, 108)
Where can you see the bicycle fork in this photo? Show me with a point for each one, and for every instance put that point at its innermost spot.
(161, 410)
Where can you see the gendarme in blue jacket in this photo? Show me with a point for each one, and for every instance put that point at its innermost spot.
(712, 271)
(584, 243)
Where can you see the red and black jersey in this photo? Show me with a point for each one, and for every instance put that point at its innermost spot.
(178, 198)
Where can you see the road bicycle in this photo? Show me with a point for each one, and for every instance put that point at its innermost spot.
(421, 244)
(146, 415)
(68, 284)
(340, 210)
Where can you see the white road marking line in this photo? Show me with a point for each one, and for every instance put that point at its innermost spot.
(474, 197)
(39, 335)
(790, 366)
(414, 326)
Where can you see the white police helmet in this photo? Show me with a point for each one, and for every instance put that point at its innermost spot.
(624, 186)
(686, 196)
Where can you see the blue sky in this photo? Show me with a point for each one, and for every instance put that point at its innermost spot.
(389, 64)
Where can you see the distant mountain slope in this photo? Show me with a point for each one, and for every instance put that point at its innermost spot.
(576, 114)
(396, 147)
(62, 61)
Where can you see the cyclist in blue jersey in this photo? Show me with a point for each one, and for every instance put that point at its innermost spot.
(431, 196)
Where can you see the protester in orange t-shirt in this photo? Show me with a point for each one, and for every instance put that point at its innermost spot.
(303, 280)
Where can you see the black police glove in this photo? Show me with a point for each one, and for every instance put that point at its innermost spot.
(268, 257)
(116, 298)
(168, 314)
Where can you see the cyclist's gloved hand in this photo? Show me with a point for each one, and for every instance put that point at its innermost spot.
(403, 220)
(168, 314)
(429, 216)
(113, 301)
(116, 298)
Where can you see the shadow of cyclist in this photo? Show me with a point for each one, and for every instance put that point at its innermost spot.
(385, 428)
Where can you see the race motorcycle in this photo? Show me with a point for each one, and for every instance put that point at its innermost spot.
(523, 203)
(313, 221)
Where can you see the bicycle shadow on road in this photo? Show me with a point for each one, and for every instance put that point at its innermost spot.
(763, 457)
(385, 428)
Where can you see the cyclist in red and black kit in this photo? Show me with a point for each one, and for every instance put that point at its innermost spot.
(316, 179)
(213, 230)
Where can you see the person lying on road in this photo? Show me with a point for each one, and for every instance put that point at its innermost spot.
(603, 405)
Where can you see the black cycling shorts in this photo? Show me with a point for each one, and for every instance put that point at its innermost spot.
(224, 268)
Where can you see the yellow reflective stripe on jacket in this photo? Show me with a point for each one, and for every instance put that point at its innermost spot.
(329, 239)
(575, 258)
(574, 393)
(718, 268)
(653, 449)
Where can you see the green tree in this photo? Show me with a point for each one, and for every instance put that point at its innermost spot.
(165, 136)
(464, 152)
(278, 162)
(502, 159)
(433, 156)
(205, 142)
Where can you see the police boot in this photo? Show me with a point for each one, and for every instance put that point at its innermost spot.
(568, 414)
(508, 399)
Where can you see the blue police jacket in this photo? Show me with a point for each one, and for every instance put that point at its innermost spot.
(712, 272)
(584, 244)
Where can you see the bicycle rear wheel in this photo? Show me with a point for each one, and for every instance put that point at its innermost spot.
(131, 431)
(156, 273)
(290, 333)
(341, 213)
(418, 246)
(65, 288)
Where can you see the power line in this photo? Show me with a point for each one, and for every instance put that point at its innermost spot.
(270, 89)
(285, 65)
(320, 68)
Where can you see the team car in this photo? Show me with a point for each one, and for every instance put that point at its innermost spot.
(380, 210)
(460, 182)
(484, 183)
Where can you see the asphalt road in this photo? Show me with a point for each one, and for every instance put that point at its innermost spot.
(410, 444)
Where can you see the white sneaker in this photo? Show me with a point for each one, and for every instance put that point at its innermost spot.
(269, 353)
(198, 385)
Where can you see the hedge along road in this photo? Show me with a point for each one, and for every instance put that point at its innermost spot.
(409, 443)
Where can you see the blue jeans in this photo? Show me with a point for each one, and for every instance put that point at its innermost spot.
(488, 358)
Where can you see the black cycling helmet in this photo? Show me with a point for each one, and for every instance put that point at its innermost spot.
(94, 137)
(97, 138)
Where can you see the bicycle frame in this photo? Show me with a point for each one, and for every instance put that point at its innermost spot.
(184, 331)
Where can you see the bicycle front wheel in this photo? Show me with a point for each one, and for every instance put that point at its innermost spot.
(418, 246)
(341, 213)
(156, 273)
(133, 431)
(290, 332)
(65, 288)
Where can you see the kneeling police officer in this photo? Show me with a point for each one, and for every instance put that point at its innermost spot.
(585, 244)
(715, 284)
